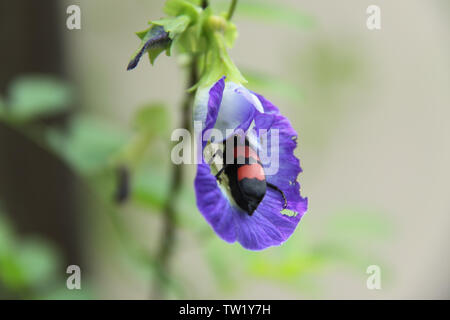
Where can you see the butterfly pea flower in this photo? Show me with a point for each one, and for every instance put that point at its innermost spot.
(230, 108)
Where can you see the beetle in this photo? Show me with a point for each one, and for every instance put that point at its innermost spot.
(246, 176)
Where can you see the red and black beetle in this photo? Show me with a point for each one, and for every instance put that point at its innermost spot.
(246, 176)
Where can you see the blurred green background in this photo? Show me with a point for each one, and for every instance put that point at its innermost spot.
(370, 108)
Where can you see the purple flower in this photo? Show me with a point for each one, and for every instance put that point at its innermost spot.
(228, 108)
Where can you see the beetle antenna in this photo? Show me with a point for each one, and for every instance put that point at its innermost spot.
(280, 191)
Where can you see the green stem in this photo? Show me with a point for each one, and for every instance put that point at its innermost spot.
(231, 9)
(167, 241)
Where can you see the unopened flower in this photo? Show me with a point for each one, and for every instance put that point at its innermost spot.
(244, 199)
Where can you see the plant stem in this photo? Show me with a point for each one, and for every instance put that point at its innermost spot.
(231, 9)
(167, 241)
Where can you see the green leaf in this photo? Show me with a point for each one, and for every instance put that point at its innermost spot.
(90, 144)
(150, 121)
(24, 264)
(6, 236)
(152, 118)
(10, 272)
(37, 261)
(150, 188)
(38, 95)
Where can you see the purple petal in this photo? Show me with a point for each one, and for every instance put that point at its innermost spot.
(286, 177)
(213, 204)
(214, 101)
(267, 226)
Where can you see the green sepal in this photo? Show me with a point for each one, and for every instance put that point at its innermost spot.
(230, 34)
(154, 40)
(155, 51)
(141, 34)
(189, 8)
(218, 63)
(174, 26)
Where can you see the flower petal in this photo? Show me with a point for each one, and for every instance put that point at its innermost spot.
(214, 101)
(286, 176)
(213, 205)
(227, 107)
(236, 111)
(268, 226)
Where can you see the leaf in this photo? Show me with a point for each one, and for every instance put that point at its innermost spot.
(10, 273)
(24, 264)
(6, 236)
(154, 40)
(38, 95)
(150, 121)
(150, 188)
(90, 143)
(37, 261)
(152, 118)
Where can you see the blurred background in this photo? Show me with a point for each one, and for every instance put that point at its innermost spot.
(370, 108)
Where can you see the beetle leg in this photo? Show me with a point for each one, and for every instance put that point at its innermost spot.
(279, 190)
(219, 173)
(218, 153)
